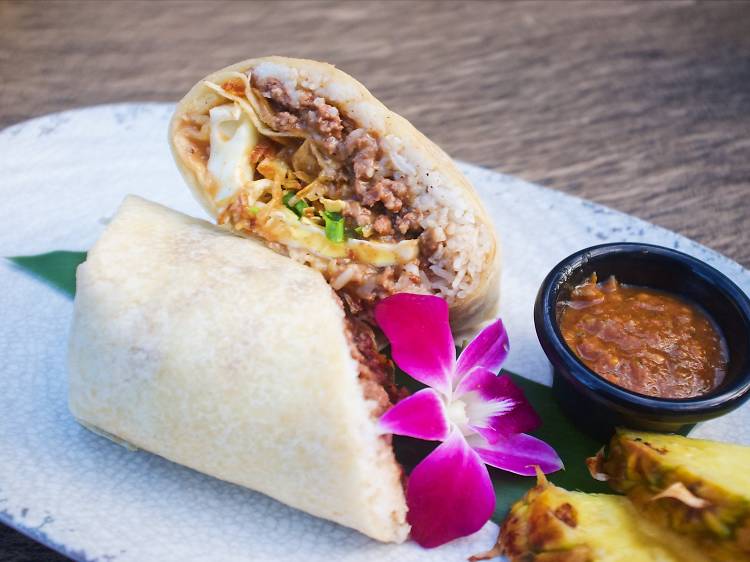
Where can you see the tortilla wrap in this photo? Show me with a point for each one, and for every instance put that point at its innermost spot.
(328, 128)
(217, 353)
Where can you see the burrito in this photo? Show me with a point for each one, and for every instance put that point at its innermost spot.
(300, 155)
(219, 354)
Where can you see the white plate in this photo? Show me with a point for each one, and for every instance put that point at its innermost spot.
(62, 176)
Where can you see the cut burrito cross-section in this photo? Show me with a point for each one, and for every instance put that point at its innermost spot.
(302, 156)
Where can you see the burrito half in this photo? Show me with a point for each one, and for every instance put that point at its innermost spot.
(301, 155)
(221, 355)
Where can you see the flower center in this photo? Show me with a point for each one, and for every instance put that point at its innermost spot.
(458, 416)
(472, 411)
(457, 412)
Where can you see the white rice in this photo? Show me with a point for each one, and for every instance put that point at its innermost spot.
(460, 259)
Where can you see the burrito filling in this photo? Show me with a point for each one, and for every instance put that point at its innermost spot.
(285, 164)
(376, 374)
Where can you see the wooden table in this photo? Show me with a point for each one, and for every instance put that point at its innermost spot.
(641, 106)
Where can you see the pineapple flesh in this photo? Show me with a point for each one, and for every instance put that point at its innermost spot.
(698, 489)
(550, 524)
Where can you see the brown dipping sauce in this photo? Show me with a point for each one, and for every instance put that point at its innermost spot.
(644, 340)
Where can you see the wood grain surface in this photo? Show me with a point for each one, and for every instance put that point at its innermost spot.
(644, 107)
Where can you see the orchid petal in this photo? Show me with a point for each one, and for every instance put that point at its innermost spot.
(495, 406)
(487, 350)
(421, 415)
(421, 341)
(449, 494)
(518, 453)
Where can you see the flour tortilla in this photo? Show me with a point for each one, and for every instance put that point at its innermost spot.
(433, 166)
(217, 353)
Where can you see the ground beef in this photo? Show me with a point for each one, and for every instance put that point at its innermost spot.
(382, 225)
(274, 89)
(390, 192)
(386, 280)
(354, 304)
(362, 149)
(304, 108)
(330, 145)
(306, 99)
(359, 308)
(375, 370)
(357, 213)
(325, 119)
(342, 272)
(285, 121)
(408, 222)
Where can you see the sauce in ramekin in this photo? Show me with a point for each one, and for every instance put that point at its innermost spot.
(644, 340)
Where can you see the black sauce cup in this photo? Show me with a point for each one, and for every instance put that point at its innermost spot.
(595, 404)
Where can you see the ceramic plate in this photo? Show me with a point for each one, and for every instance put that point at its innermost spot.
(63, 175)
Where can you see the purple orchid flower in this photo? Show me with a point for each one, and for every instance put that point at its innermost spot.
(480, 418)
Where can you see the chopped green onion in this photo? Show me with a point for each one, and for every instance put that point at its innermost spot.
(254, 209)
(334, 226)
(359, 231)
(298, 207)
(351, 233)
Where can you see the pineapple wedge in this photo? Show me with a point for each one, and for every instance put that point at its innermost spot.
(699, 489)
(550, 524)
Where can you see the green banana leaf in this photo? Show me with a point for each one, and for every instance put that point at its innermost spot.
(56, 268)
(573, 446)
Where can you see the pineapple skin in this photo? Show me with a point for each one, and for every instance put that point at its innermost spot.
(642, 466)
(550, 524)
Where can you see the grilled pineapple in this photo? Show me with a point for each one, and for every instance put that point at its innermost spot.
(696, 488)
(550, 524)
